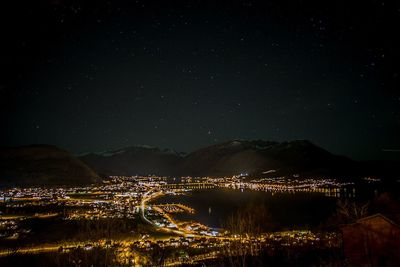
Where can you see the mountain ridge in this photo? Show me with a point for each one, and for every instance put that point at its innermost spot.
(49, 165)
(226, 158)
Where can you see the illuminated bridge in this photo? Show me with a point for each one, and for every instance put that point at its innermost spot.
(188, 186)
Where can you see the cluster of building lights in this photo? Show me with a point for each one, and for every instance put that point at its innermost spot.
(132, 196)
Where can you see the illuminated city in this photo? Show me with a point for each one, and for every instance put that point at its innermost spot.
(245, 133)
(131, 198)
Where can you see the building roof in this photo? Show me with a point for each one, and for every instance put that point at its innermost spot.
(377, 215)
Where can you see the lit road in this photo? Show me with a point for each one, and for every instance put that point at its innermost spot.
(44, 248)
(148, 196)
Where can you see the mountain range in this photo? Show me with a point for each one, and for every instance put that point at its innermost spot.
(49, 165)
(253, 157)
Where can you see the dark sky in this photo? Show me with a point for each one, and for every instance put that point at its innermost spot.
(94, 75)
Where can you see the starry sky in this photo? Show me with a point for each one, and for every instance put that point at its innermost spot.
(98, 75)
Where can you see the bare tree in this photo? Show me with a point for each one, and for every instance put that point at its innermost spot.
(348, 212)
(246, 226)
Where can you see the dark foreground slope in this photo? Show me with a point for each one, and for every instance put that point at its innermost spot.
(42, 165)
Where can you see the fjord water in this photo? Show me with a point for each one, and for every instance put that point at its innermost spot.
(286, 210)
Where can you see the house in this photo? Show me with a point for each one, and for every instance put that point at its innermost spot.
(372, 241)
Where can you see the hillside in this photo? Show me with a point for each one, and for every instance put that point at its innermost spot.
(42, 165)
(258, 157)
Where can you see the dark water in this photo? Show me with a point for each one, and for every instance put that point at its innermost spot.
(287, 210)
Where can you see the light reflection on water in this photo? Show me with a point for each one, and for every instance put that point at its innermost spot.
(288, 209)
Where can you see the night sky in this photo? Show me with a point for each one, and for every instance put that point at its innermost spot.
(94, 75)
